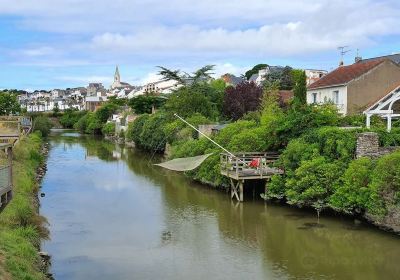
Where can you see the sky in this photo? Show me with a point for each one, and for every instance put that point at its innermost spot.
(47, 44)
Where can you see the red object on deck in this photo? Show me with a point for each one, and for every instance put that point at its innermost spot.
(255, 162)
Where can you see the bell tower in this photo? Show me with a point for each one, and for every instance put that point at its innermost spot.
(117, 77)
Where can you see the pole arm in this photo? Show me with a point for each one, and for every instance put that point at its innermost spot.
(215, 143)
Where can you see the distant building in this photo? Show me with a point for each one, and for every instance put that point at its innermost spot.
(117, 84)
(231, 80)
(92, 103)
(262, 74)
(355, 87)
(313, 75)
(94, 88)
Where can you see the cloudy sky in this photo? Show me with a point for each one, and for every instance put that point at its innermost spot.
(66, 43)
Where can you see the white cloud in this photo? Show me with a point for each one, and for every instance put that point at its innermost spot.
(41, 51)
(86, 79)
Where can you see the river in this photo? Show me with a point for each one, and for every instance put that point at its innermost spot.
(113, 215)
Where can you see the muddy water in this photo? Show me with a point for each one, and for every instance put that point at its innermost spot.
(113, 215)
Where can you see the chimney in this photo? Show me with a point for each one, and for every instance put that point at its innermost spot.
(341, 63)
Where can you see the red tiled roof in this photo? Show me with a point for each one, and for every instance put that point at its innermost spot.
(285, 96)
(345, 74)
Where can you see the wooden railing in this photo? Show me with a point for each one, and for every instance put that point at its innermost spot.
(249, 165)
(13, 127)
(6, 174)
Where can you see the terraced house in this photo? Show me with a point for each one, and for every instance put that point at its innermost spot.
(355, 87)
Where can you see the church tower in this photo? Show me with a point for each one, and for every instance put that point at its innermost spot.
(117, 77)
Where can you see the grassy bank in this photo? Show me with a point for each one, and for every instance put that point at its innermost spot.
(21, 227)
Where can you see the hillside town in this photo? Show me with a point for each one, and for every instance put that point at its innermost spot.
(95, 94)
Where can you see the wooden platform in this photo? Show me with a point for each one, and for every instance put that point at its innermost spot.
(6, 175)
(12, 128)
(247, 166)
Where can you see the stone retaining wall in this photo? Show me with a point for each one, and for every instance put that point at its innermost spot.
(368, 146)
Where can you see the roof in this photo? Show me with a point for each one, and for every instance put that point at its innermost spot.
(344, 74)
(393, 57)
(253, 77)
(285, 96)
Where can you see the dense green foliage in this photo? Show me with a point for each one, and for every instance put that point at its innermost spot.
(135, 129)
(202, 98)
(93, 122)
(300, 86)
(9, 103)
(42, 124)
(108, 129)
(21, 228)
(143, 104)
(70, 117)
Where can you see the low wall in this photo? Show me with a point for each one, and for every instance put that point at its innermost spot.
(368, 146)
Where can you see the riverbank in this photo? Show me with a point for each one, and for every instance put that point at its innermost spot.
(21, 227)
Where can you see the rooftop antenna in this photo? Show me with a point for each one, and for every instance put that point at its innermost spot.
(343, 50)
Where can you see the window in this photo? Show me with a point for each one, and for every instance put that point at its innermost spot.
(314, 95)
(335, 96)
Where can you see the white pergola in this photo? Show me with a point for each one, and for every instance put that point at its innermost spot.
(384, 108)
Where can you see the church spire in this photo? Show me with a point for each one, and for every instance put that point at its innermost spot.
(117, 77)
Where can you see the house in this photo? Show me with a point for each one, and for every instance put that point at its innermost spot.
(352, 88)
(231, 80)
(94, 88)
(92, 103)
(393, 57)
(313, 75)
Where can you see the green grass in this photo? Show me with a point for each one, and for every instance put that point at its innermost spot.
(21, 228)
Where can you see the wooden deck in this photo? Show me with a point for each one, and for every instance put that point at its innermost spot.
(12, 128)
(247, 166)
(6, 175)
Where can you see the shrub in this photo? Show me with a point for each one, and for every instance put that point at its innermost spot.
(313, 182)
(71, 117)
(108, 129)
(152, 136)
(135, 129)
(385, 185)
(42, 124)
(353, 192)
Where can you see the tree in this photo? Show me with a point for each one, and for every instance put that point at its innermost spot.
(9, 103)
(245, 97)
(255, 70)
(186, 78)
(300, 86)
(143, 104)
(286, 82)
(192, 99)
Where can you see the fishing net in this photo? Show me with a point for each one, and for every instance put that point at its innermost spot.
(184, 164)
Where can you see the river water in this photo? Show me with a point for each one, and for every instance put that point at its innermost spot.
(113, 215)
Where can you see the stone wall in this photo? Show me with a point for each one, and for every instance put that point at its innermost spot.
(206, 129)
(368, 146)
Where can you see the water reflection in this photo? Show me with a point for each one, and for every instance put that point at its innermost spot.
(114, 215)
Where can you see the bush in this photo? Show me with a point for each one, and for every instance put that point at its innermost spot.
(42, 124)
(135, 130)
(313, 182)
(71, 117)
(353, 192)
(81, 124)
(109, 129)
(385, 186)
(152, 137)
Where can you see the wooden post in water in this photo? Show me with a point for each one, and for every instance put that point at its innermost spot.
(241, 190)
